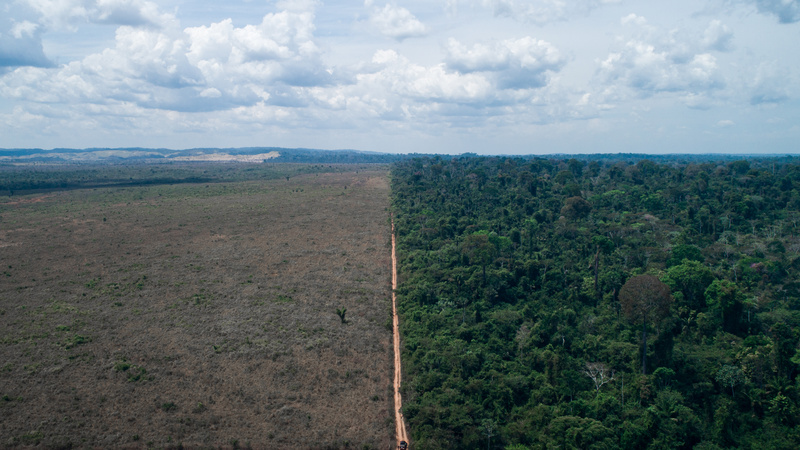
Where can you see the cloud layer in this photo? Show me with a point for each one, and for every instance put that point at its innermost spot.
(545, 11)
(418, 72)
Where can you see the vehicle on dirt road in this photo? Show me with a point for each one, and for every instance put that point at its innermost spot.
(403, 445)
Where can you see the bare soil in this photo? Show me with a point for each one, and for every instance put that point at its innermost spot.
(399, 420)
(199, 315)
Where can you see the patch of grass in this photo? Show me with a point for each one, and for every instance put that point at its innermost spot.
(200, 299)
(220, 348)
(283, 299)
(113, 289)
(122, 366)
(169, 407)
(135, 373)
(62, 307)
(75, 341)
(31, 438)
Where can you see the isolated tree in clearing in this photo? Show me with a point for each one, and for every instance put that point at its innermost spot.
(644, 298)
(341, 312)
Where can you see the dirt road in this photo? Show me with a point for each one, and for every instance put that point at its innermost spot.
(400, 423)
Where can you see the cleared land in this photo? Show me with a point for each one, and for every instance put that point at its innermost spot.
(199, 314)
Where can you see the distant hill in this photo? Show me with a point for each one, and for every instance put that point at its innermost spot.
(245, 154)
(318, 156)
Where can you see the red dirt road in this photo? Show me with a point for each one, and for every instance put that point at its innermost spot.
(400, 424)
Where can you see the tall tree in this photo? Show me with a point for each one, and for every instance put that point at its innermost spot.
(725, 302)
(645, 299)
(480, 250)
(692, 279)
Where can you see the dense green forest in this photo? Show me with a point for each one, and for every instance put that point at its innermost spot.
(529, 286)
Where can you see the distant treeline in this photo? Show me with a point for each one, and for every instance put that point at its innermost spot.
(27, 179)
(29, 185)
(124, 155)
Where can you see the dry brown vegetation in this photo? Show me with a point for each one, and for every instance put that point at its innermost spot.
(199, 315)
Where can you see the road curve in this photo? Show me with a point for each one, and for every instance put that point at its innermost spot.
(400, 424)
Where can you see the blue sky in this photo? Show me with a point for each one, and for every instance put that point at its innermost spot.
(444, 76)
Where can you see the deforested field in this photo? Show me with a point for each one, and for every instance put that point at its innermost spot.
(202, 314)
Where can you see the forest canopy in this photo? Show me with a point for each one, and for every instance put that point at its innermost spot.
(520, 324)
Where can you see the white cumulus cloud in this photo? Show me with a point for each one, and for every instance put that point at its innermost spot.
(655, 62)
(396, 22)
(213, 67)
(402, 77)
(271, 61)
(516, 63)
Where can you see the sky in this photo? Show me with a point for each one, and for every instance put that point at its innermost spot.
(432, 76)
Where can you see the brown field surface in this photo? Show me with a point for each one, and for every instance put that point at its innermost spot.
(202, 315)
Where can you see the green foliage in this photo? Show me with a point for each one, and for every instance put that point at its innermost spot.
(341, 312)
(724, 300)
(683, 252)
(135, 373)
(690, 278)
(76, 340)
(31, 438)
(730, 377)
(571, 432)
(576, 208)
(169, 406)
(512, 288)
